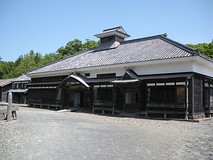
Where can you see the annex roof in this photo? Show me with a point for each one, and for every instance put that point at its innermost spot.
(22, 78)
(18, 90)
(4, 82)
(75, 77)
(119, 31)
(152, 48)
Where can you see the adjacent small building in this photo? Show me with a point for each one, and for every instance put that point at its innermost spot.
(5, 85)
(152, 77)
(19, 89)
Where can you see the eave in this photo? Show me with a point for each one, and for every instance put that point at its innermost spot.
(120, 65)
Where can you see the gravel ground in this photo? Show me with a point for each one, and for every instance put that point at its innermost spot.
(49, 135)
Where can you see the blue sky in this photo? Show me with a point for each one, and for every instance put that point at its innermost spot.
(46, 25)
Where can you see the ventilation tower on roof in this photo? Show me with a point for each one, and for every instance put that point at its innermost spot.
(111, 38)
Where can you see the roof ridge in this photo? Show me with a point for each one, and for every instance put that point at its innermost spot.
(118, 27)
(165, 38)
(205, 57)
(193, 51)
(143, 38)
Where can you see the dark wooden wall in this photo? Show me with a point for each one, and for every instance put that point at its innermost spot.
(119, 99)
(43, 95)
(198, 94)
(0, 94)
(4, 92)
(143, 99)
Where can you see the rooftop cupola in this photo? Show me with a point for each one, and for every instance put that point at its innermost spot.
(112, 37)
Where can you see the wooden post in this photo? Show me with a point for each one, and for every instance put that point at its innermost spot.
(192, 92)
(209, 105)
(9, 107)
(93, 99)
(114, 99)
(146, 99)
(187, 99)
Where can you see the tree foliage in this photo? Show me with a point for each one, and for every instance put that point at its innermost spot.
(25, 63)
(6, 69)
(204, 48)
(33, 59)
(76, 46)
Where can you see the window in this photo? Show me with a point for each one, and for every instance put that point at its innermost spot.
(16, 85)
(48, 79)
(166, 95)
(169, 93)
(208, 95)
(104, 94)
(156, 95)
(107, 75)
(211, 95)
(87, 74)
(24, 85)
(180, 91)
(131, 97)
(107, 39)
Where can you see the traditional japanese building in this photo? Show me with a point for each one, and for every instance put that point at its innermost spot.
(5, 85)
(19, 89)
(152, 76)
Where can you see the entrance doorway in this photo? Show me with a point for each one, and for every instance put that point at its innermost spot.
(79, 99)
(74, 99)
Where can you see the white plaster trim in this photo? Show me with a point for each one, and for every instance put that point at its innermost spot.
(176, 65)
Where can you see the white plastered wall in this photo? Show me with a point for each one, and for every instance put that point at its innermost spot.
(146, 68)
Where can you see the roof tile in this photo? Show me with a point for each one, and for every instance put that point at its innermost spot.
(140, 50)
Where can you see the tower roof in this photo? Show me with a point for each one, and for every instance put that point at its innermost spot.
(118, 31)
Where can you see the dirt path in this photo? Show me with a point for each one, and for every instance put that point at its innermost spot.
(42, 134)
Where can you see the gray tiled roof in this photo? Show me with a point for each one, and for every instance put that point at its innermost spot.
(4, 82)
(18, 90)
(112, 31)
(140, 50)
(22, 78)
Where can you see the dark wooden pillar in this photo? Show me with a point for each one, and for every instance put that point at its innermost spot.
(145, 98)
(114, 99)
(187, 98)
(208, 100)
(140, 97)
(91, 90)
(192, 96)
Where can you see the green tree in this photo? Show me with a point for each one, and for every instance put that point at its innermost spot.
(90, 44)
(76, 46)
(204, 48)
(37, 58)
(18, 61)
(62, 51)
(1, 70)
(6, 69)
(27, 63)
(51, 57)
(71, 47)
